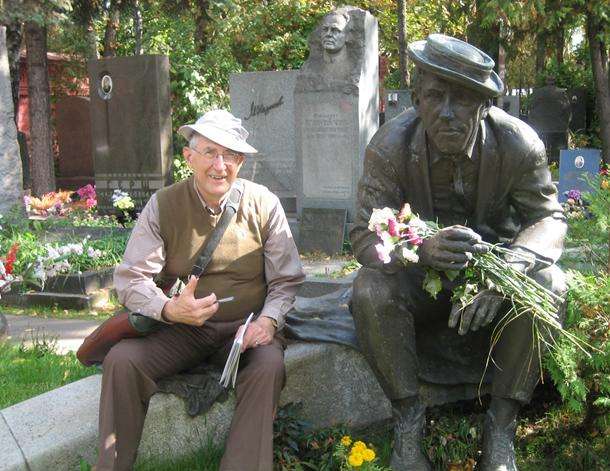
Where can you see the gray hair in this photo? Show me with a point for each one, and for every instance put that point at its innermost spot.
(194, 140)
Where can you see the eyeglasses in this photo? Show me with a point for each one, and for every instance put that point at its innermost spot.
(228, 157)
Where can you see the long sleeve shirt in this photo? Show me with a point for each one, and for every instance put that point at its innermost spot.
(145, 257)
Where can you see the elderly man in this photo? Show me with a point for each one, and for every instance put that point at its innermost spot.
(483, 175)
(256, 261)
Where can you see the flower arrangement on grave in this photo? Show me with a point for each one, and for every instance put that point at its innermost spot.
(7, 266)
(123, 202)
(401, 234)
(61, 202)
(356, 455)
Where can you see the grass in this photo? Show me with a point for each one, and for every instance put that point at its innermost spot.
(26, 372)
(56, 312)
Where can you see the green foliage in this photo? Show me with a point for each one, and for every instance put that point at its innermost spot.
(180, 168)
(583, 378)
(451, 441)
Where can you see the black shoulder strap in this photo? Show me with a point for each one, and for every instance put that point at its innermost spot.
(231, 208)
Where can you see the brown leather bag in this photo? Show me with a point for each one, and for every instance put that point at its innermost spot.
(126, 324)
(99, 342)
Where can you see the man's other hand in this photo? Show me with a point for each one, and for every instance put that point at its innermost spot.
(260, 332)
(450, 248)
(480, 313)
(184, 308)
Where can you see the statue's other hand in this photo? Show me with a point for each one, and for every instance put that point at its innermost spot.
(480, 313)
(451, 248)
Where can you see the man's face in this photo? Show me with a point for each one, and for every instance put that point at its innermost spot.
(449, 112)
(333, 33)
(215, 168)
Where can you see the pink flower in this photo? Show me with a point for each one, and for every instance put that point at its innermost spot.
(86, 192)
(413, 238)
(383, 252)
(393, 227)
(91, 202)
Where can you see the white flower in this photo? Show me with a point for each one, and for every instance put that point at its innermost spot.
(52, 253)
(380, 216)
(409, 255)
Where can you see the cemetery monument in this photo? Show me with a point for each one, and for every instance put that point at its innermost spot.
(10, 160)
(336, 101)
(483, 175)
(131, 126)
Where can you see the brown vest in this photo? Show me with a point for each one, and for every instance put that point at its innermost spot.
(237, 266)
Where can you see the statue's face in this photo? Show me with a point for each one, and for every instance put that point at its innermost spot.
(333, 33)
(449, 112)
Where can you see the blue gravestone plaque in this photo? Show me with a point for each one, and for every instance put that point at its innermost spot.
(574, 165)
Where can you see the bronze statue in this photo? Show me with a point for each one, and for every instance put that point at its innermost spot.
(484, 176)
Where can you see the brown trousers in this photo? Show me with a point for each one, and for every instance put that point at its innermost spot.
(132, 366)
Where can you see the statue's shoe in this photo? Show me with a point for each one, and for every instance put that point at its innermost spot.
(498, 445)
(408, 433)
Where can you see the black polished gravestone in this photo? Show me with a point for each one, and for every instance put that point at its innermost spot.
(131, 126)
(322, 230)
(549, 115)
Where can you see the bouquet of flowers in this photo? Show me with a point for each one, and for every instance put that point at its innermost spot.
(6, 269)
(402, 233)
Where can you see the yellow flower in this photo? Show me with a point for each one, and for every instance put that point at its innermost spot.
(605, 184)
(346, 440)
(368, 455)
(358, 447)
(355, 459)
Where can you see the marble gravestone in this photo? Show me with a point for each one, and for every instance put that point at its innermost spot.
(549, 115)
(574, 166)
(11, 189)
(131, 126)
(264, 101)
(336, 103)
(73, 124)
(397, 101)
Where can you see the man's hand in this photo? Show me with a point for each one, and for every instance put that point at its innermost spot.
(450, 248)
(260, 332)
(184, 308)
(480, 313)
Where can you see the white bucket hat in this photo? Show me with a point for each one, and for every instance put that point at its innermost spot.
(221, 127)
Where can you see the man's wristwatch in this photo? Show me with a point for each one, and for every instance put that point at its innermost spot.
(273, 322)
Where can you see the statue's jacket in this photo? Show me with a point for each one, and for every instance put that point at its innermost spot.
(516, 200)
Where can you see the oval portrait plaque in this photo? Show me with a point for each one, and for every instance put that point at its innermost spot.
(105, 87)
(579, 161)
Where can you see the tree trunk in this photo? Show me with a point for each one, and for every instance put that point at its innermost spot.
(599, 63)
(14, 34)
(540, 52)
(202, 20)
(43, 172)
(112, 27)
(560, 43)
(403, 58)
(137, 27)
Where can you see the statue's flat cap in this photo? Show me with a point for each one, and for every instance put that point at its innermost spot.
(457, 61)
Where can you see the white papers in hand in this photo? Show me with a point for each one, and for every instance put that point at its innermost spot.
(229, 374)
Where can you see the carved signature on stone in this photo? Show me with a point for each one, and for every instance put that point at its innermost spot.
(263, 109)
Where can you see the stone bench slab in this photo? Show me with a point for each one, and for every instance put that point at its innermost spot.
(57, 429)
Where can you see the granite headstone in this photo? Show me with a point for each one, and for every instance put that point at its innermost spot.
(75, 165)
(322, 229)
(397, 101)
(549, 115)
(264, 101)
(574, 166)
(11, 189)
(336, 102)
(510, 104)
(131, 126)
(578, 99)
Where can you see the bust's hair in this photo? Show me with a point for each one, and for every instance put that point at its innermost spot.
(338, 12)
